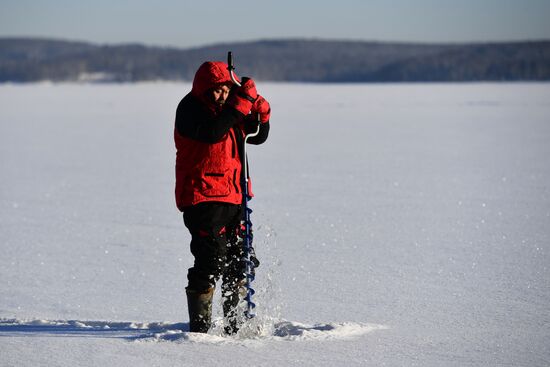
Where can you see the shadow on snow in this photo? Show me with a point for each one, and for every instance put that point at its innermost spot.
(164, 331)
(91, 329)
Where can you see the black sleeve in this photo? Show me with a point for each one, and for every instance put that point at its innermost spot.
(251, 127)
(194, 121)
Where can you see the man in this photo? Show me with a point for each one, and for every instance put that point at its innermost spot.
(211, 122)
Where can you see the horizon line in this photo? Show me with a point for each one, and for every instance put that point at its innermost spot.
(274, 39)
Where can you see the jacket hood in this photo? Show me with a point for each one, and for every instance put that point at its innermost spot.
(209, 75)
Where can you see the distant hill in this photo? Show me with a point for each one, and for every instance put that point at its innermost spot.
(296, 60)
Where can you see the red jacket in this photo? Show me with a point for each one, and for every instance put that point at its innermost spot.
(208, 140)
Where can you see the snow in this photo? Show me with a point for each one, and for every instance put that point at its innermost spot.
(397, 225)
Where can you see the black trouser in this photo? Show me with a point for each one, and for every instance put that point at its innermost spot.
(215, 244)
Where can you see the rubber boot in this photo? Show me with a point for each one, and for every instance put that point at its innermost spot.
(232, 295)
(200, 310)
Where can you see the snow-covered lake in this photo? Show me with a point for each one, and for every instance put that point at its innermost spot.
(397, 225)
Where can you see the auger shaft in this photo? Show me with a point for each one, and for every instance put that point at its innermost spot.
(247, 240)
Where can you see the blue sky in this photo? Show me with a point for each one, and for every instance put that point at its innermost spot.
(193, 23)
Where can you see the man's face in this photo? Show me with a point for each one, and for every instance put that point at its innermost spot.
(220, 93)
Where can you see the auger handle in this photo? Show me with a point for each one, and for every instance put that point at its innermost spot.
(231, 68)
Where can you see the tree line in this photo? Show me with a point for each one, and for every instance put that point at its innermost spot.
(293, 60)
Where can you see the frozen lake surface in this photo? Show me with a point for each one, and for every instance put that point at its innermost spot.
(397, 225)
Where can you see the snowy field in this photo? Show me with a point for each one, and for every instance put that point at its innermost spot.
(397, 225)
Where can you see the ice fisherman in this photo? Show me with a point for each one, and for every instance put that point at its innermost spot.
(211, 122)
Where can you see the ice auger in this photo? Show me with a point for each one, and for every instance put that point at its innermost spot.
(247, 223)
